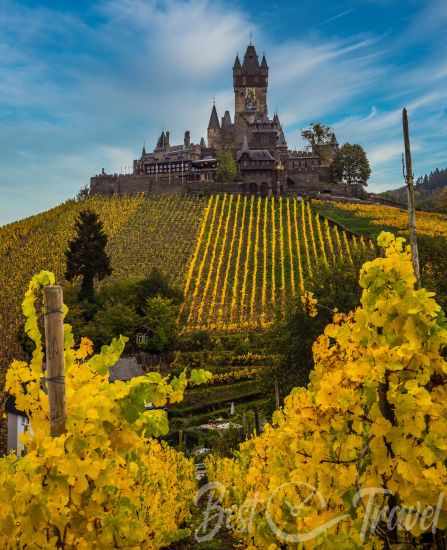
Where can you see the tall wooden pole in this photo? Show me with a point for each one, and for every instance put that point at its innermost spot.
(54, 341)
(277, 393)
(409, 178)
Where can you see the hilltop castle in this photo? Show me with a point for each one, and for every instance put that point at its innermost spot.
(265, 163)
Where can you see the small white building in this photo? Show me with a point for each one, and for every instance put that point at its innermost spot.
(18, 424)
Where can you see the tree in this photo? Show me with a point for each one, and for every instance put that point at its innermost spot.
(160, 322)
(110, 322)
(157, 284)
(351, 165)
(318, 134)
(295, 333)
(226, 167)
(86, 255)
(83, 193)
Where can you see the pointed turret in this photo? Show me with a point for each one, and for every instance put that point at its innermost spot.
(264, 63)
(226, 120)
(214, 120)
(237, 64)
(282, 138)
(251, 61)
(143, 151)
(161, 141)
(276, 119)
(187, 139)
(202, 143)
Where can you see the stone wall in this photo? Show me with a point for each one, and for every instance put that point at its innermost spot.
(305, 183)
(105, 184)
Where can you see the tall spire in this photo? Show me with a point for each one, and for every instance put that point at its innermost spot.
(251, 61)
(214, 120)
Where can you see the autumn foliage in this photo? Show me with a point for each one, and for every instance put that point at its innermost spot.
(107, 482)
(373, 420)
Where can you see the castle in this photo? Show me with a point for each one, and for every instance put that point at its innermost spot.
(265, 164)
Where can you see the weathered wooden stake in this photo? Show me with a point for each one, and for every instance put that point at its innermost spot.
(276, 393)
(409, 178)
(257, 423)
(54, 341)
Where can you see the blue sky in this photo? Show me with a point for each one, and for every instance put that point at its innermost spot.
(84, 83)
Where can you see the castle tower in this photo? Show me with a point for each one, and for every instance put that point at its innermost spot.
(250, 82)
(214, 129)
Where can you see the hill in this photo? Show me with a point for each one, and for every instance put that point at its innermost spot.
(238, 258)
(371, 219)
(430, 192)
(253, 256)
(143, 233)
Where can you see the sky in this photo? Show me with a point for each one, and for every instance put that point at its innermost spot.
(84, 84)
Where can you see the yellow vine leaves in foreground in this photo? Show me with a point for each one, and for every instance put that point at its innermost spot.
(369, 431)
(107, 482)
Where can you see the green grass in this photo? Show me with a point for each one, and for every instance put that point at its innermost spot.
(351, 222)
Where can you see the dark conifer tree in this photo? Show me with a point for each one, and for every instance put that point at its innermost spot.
(86, 255)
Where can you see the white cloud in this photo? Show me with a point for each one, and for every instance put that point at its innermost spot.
(76, 97)
(190, 39)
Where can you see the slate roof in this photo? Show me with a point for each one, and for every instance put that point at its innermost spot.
(237, 64)
(214, 120)
(256, 154)
(251, 61)
(125, 369)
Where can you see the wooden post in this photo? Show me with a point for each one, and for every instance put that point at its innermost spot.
(54, 342)
(411, 200)
(257, 423)
(277, 393)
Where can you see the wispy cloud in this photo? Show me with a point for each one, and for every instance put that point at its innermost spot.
(344, 13)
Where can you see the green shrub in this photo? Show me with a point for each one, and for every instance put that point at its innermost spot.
(159, 325)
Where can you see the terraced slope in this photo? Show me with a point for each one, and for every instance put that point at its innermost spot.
(237, 383)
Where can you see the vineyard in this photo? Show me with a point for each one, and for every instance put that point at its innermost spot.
(238, 258)
(143, 234)
(373, 218)
(253, 255)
